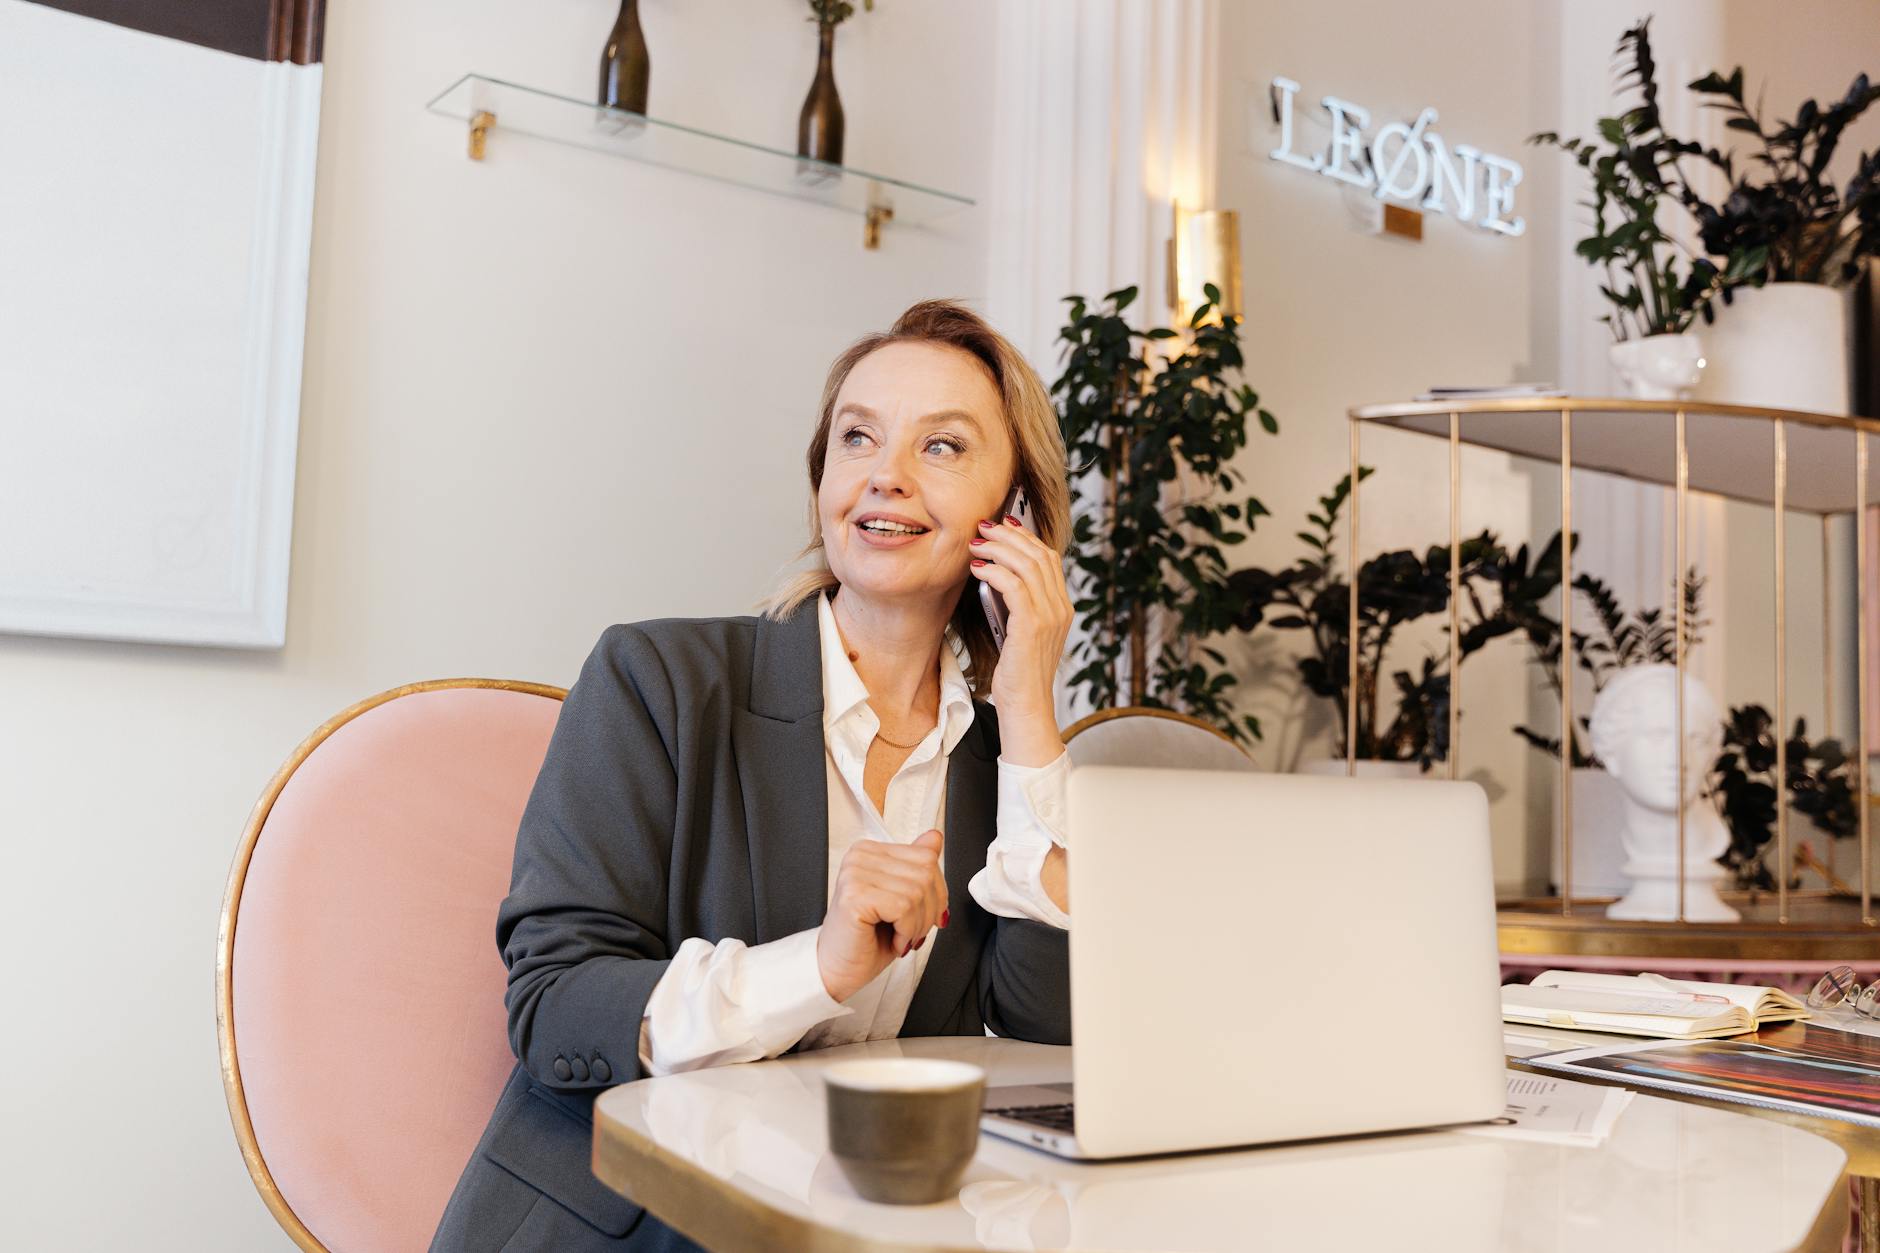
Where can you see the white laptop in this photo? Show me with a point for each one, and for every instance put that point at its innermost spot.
(1261, 957)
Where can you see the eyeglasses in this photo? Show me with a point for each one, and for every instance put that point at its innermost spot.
(1841, 986)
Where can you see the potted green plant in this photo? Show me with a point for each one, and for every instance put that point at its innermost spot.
(1824, 782)
(1656, 288)
(1394, 590)
(1790, 235)
(1152, 437)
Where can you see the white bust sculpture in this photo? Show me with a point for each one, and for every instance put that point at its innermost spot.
(1634, 733)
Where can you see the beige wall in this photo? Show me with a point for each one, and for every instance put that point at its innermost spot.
(1337, 318)
(543, 394)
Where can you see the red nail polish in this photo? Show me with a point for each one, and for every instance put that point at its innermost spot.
(1010, 520)
(944, 915)
(978, 562)
(921, 941)
(979, 539)
(989, 522)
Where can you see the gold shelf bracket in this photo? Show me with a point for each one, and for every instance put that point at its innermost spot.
(480, 123)
(879, 215)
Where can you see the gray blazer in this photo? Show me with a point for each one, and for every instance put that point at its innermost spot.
(684, 794)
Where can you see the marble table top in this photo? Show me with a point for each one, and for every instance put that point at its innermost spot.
(736, 1156)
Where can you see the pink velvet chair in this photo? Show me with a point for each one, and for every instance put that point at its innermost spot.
(359, 993)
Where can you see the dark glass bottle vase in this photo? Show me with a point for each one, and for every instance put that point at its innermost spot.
(819, 126)
(625, 65)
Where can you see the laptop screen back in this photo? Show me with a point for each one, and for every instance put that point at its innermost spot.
(1259, 958)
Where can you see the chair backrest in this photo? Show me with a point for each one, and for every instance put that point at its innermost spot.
(1136, 735)
(359, 993)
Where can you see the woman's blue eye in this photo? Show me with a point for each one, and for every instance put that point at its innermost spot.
(950, 444)
(849, 435)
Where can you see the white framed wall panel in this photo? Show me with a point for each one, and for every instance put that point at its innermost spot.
(155, 224)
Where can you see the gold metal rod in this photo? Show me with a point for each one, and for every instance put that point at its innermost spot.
(1455, 595)
(1681, 496)
(1782, 666)
(1566, 662)
(1860, 669)
(1827, 637)
(1351, 599)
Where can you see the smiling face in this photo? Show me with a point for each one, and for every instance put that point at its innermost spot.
(918, 453)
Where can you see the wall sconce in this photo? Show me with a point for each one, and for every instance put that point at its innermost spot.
(1204, 248)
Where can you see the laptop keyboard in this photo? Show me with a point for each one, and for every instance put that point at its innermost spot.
(1052, 1117)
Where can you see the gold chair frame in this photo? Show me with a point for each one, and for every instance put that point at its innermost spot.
(1147, 711)
(231, 908)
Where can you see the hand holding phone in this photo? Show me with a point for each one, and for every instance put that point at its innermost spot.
(1016, 506)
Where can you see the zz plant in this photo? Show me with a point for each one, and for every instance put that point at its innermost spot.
(1632, 177)
(1395, 589)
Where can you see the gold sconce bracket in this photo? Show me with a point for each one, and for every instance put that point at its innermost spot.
(480, 123)
(1203, 248)
(879, 215)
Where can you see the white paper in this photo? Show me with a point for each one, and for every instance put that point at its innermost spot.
(1556, 1111)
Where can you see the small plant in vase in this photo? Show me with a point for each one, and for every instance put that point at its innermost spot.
(1656, 288)
(820, 126)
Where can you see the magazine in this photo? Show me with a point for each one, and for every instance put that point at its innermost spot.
(1800, 1068)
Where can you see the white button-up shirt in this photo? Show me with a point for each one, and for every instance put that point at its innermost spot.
(733, 1002)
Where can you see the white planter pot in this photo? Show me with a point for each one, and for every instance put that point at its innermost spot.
(1369, 769)
(1598, 829)
(1784, 345)
(1659, 367)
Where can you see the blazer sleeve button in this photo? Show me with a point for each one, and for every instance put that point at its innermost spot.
(580, 1067)
(563, 1071)
(600, 1069)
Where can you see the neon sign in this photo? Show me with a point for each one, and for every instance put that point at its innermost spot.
(1406, 162)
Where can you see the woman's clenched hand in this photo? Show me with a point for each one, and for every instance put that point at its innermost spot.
(887, 898)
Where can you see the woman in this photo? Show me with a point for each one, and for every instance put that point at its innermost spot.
(803, 829)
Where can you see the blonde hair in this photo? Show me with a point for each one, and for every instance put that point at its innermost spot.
(1030, 419)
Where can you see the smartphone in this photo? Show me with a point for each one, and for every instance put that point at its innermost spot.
(1017, 506)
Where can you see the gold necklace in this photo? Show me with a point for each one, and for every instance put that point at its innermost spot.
(885, 740)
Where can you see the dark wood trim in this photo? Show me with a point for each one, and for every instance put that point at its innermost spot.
(296, 30)
(266, 30)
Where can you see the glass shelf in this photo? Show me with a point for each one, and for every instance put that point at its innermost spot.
(490, 105)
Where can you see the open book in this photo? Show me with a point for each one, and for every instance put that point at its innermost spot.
(1648, 1004)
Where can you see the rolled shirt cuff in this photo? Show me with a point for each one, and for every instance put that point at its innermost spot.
(1031, 821)
(783, 991)
(1033, 800)
(733, 1002)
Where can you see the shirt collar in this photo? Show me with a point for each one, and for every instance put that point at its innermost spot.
(845, 697)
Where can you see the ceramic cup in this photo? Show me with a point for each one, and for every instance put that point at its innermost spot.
(904, 1129)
